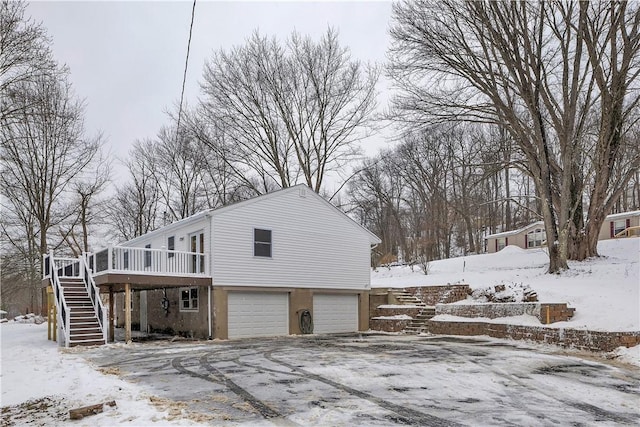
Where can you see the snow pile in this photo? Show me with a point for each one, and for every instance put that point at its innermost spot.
(503, 293)
(29, 318)
(522, 319)
(41, 383)
(394, 317)
(605, 291)
(628, 355)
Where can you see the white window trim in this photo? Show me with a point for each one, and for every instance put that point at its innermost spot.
(619, 225)
(190, 309)
(263, 243)
(532, 241)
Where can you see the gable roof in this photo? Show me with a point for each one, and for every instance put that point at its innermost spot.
(514, 232)
(177, 224)
(308, 193)
(223, 209)
(622, 215)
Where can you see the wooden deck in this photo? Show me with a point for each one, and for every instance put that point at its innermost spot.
(115, 281)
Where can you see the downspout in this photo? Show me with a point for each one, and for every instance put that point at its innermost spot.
(210, 266)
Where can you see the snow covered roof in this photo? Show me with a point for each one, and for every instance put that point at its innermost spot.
(514, 232)
(622, 215)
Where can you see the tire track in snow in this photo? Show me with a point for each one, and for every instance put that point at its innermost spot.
(405, 415)
(218, 377)
(595, 411)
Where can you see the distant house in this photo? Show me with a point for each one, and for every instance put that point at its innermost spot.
(533, 235)
(530, 236)
(268, 266)
(615, 223)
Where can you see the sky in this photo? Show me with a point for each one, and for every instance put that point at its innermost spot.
(127, 58)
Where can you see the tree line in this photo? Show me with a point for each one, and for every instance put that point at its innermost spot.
(502, 114)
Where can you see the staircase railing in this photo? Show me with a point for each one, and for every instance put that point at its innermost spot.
(94, 293)
(54, 272)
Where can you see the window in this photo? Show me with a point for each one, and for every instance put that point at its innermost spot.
(535, 238)
(125, 260)
(189, 299)
(171, 245)
(618, 226)
(147, 256)
(261, 242)
(500, 244)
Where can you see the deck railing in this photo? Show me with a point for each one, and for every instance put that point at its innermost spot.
(116, 259)
(94, 293)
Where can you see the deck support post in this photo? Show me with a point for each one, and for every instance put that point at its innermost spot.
(127, 313)
(112, 331)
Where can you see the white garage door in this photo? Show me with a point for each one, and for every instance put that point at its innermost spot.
(258, 314)
(335, 313)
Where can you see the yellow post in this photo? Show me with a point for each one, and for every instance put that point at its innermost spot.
(111, 315)
(55, 323)
(127, 313)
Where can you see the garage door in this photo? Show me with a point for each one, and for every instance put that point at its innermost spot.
(335, 313)
(258, 314)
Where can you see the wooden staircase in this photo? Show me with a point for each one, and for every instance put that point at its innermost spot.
(427, 312)
(84, 328)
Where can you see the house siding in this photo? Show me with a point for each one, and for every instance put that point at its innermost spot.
(313, 245)
(632, 219)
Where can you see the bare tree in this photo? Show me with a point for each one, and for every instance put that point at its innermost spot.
(180, 166)
(45, 150)
(540, 70)
(85, 195)
(293, 112)
(134, 208)
(24, 53)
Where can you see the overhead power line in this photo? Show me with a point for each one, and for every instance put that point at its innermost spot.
(186, 65)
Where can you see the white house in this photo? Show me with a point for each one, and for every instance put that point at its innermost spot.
(530, 236)
(534, 234)
(267, 266)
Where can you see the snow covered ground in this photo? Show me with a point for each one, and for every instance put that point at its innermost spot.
(40, 382)
(604, 291)
(376, 380)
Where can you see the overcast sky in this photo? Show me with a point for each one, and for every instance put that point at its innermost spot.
(127, 58)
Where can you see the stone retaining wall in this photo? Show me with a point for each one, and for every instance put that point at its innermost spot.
(388, 325)
(409, 310)
(545, 312)
(576, 338)
(444, 294)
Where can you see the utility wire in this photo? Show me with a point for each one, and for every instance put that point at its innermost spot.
(186, 64)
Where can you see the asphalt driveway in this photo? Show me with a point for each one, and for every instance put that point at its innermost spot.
(377, 380)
